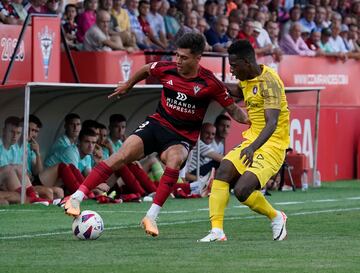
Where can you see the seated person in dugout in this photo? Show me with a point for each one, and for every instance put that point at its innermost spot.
(72, 125)
(209, 158)
(11, 166)
(35, 162)
(68, 169)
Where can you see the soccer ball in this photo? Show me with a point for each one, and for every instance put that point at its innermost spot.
(88, 225)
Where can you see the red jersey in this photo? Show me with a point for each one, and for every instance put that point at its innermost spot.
(184, 101)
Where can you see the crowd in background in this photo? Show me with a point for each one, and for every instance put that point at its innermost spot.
(274, 27)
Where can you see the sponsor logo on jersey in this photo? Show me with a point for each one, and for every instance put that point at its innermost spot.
(181, 96)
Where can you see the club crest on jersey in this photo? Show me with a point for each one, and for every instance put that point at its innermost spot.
(196, 89)
(255, 89)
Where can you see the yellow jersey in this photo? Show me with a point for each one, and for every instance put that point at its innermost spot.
(266, 92)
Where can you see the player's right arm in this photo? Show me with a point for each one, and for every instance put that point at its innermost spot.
(124, 87)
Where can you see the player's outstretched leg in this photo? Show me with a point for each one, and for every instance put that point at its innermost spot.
(98, 175)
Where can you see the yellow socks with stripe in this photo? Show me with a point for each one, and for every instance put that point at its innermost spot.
(258, 203)
(218, 200)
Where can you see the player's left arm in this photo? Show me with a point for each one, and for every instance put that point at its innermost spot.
(237, 113)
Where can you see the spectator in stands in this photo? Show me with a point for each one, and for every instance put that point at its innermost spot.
(121, 16)
(293, 44)
(313, 41)
(335, 41)
(72, 125)
(354, 37)
(295, 14)
(222, 126)
(263, 42)
(209, 158)
(172, 26)
(70, 26)
(142, 41)
(98, 38)
(11, 165)
(253, 9)
(233, 31)
(216, 35)
(128, 42)
(54, 6)
(279, 9)
(236, 16)
(185, 7)
(221, 8)
(8, 14)
(307, 22)
(229, 7)
(37, 6)
(108, 6)
(336, 19)
(86, 19)
(274, 30)
(320, 17)
(210, 12)
(247, 32)
(20, 10)
(157, 24)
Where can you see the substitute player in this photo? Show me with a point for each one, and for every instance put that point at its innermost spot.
(250, 165)
(188, 88)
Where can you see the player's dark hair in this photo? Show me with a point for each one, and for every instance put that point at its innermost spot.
(101, 126)
(86, 132)
(68, 6)
(34, 119)
(220, 118)
(90, 123)
(243, 50)
(115, 118)
(144, 2)
(69, 117)
(193, 41)
(12, 120)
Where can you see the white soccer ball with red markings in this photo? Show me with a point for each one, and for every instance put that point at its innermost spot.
(88, 225)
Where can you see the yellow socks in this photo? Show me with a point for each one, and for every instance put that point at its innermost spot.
(258, 203)
(218, 200)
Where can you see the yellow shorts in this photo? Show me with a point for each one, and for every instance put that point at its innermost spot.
(266, 163)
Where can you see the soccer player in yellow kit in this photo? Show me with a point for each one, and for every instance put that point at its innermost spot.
(251, 164)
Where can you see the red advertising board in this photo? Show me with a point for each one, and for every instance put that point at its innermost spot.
(21, 71)
(46, 49)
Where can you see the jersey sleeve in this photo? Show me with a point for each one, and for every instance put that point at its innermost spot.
(222, 96)
(157, 68)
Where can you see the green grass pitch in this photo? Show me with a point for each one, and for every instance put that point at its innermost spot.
(323, 236)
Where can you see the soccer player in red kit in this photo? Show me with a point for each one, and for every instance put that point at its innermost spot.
(188, 88)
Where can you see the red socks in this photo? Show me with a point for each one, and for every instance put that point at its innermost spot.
(130, 180)
(99, 174)
(167, 182)
(67, 176)
(143, 178)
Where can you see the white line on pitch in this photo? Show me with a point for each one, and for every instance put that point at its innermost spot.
(177, 223)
